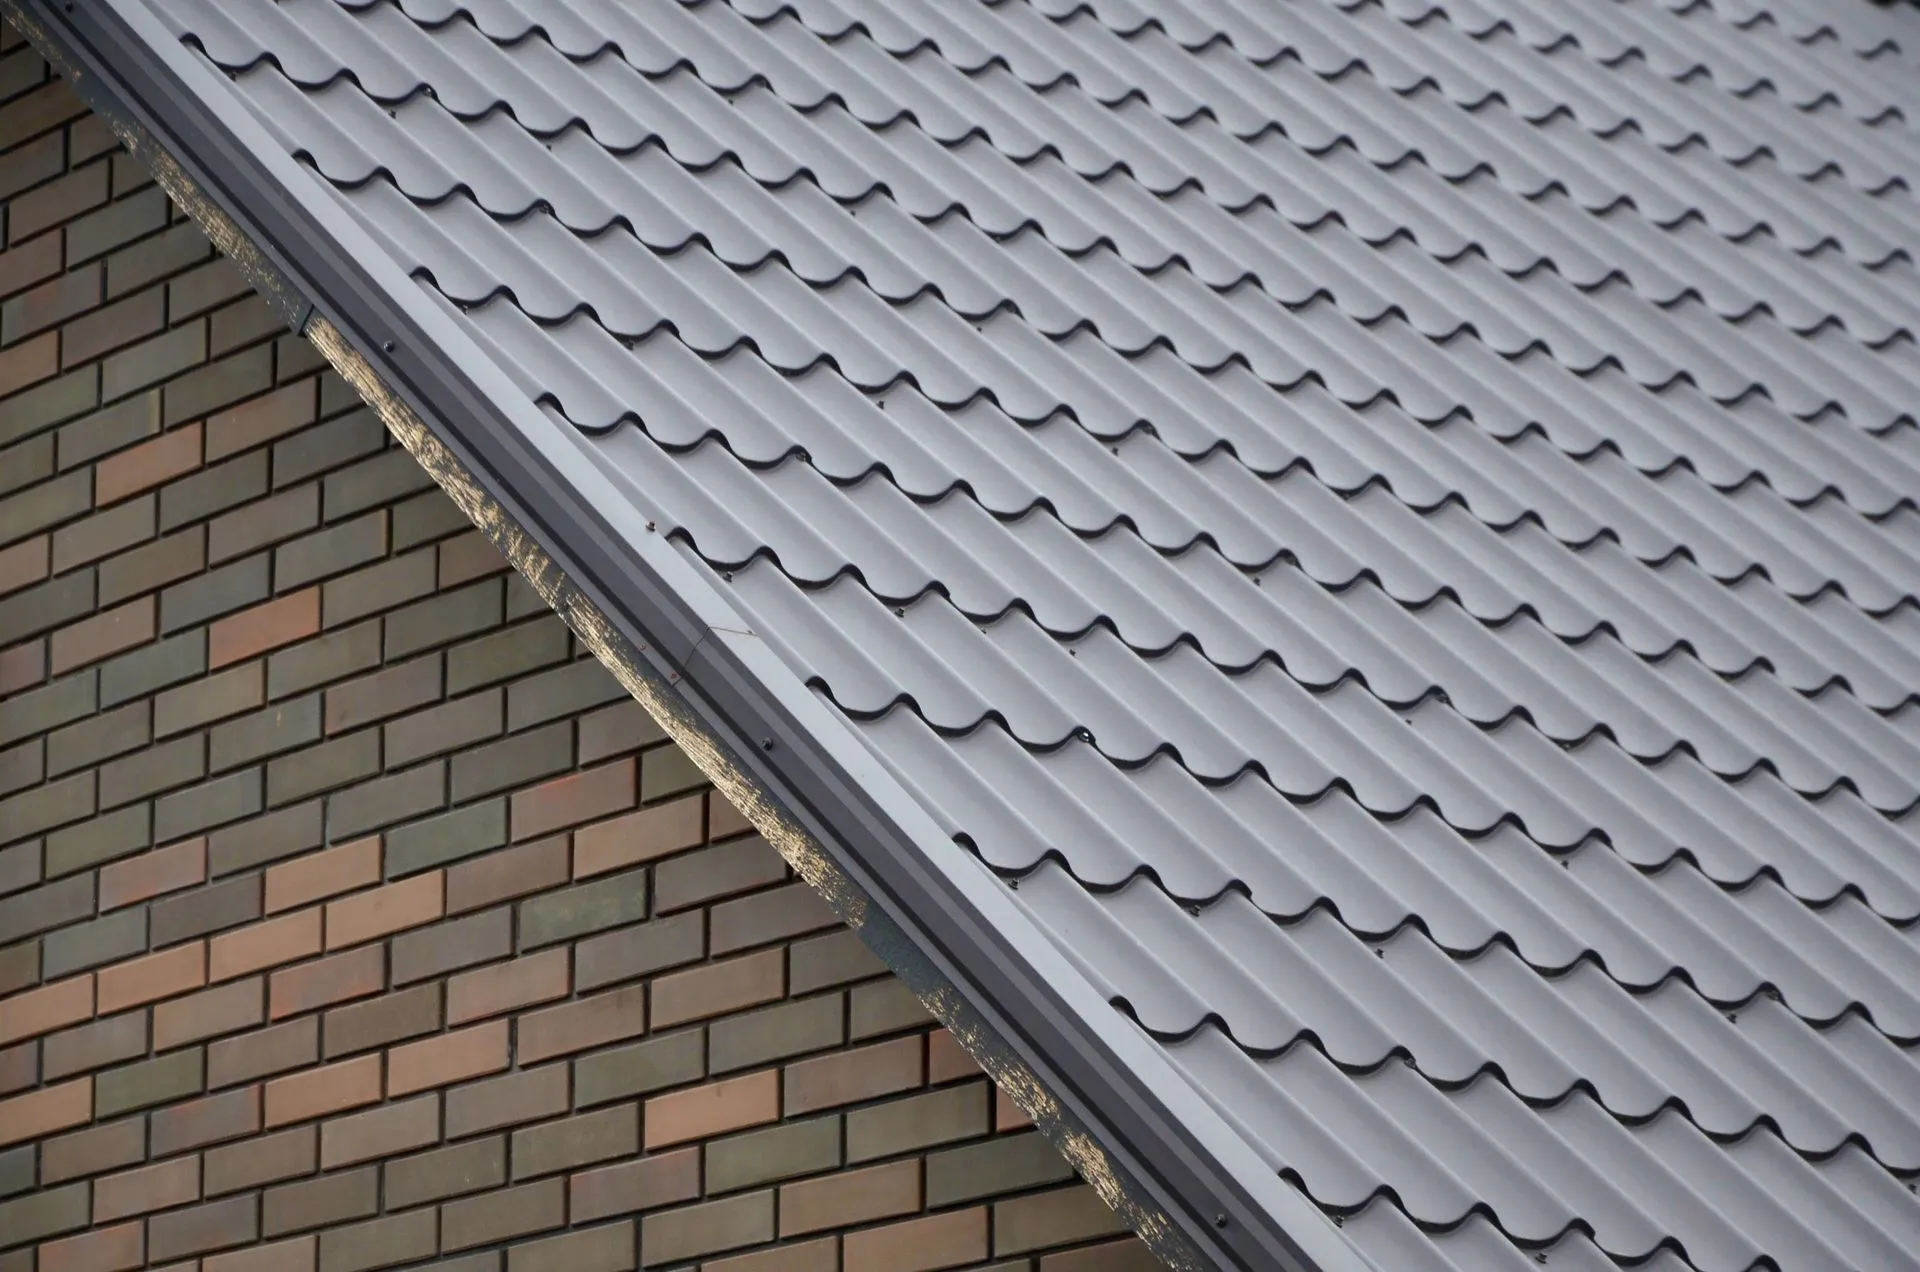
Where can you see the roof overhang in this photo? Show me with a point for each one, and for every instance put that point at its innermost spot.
(1173, 1169)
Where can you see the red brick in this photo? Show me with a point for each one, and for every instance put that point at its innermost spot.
(578, 797)
(29, 362)
(642, 1184)
(851, 1197)
(49, 1109)
(103, 633)
(102, 1250)
(502, 876)
(319, 875)
(328, 1089)
(529, 979)
(269, 626)
(153, 873)
(451, 1057)
(24, 563)
(354, 974)
(19, 1067)
(947, 1060)
(705, 1111)
(637, 837)
(223, 1009)
(162, 975)
(45, 1009)
(1008, 1116)
(156, 1187)
(714, 989)
(589, 1022)
(384, 911)
(847, 1077)
(147, 465)
(264, 945)
(920, 1245)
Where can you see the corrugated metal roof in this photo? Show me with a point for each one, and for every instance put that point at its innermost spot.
(1393, 524)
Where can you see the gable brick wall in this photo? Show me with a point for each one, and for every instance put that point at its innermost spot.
(350, 915)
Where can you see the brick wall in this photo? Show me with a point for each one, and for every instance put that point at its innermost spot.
(350, 916)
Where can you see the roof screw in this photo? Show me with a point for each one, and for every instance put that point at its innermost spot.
(1378, 952)
(1541, 1257)
(1733, 1017)
(1193, 908)
(649, 527)
(1220, 1221)
(766, 744)
(1339, 1222)
(728, 574)
(899, 611)
(386, 346)
(1014, 884)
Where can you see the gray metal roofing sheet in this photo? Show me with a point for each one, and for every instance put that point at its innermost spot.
(1391, 526)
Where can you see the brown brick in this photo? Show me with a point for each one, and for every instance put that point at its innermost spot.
(387, 692)
(884, 1007)
(1058, 1217)
(384, 911)
(112, 326)
(405, 1013)
(261, 1053)
(295, 1255)
(513, 761)
(502, 876)
(526, 1096)
(147, 465)
(45, 1009)
(1008, 1164)
(775, 1033)
(223, 1009)
(588, 1022)
(156, 976)
(260, 1160)
(448, 1058)
(641, 1069)
(318, 1092)
(264, 627)
(21, 666)
(102, 635)
(779, 1152)
(504, 987)
(151, 874)
(1129, 1254)
(854, 1197)
(23, 563)
(58, 200)
(449, 1172)
(638, 837)
(576, 1141)
(947, 1060)
(381, 1132)
(919, 1122)
(149, 1082)
(156, 1187)
(35, 260)
(690, 1232)
(40, 1113)
(822, 1254)
(718, 988)
(208, 1121)
(587, 907)
(153, 566)
(49, 304)
(1007, 1115)
(467, 557)
(323, 874)
(447, 727)
(640, 949)
(102, 1250)
(714, 1109)
(337, 979)
(214, 1226)
(848, 1077)
(578, 797)
(778, 914)
(49, 106)
(920, 1245)
(263, 523)
(378, 1243)
(282, 833)
(608, 1248)
(29, 363)
(446, 947)
(643, 1184)
(264, 945)
(229, 693)
(837, 958)
(202, 910)
(19, 1068)
(667, 770)
(721, 871)
(497, 1216)
(260, 420)
(98, 738)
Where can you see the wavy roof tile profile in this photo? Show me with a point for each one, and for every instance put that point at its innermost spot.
(1388, 527)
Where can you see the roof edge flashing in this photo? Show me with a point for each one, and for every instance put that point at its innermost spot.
(1188, 1183)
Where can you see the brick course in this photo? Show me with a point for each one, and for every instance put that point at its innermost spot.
(352, 916)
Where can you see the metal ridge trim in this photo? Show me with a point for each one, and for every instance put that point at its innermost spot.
(1168, 1163)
